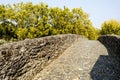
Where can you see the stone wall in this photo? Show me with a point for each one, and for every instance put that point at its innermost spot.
(112, 43)
(22, 60)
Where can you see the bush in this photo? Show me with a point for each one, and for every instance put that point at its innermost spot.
(110, 27)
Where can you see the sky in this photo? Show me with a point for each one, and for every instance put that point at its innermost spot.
(98, 10)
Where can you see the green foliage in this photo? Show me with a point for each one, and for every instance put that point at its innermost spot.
(20, 21)
(21, 33)
(33, 32)
(110, 27)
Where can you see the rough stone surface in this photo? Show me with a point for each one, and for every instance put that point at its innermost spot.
(24, 59)
(62, 57)
(112, 43)
(85, 60)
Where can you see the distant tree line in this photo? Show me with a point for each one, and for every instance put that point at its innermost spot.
(27, 20)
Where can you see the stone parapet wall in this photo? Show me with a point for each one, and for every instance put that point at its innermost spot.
(22, 60)
(112, 43)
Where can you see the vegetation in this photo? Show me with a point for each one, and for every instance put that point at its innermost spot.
(25, 20)
(20, 21)
(110, 27)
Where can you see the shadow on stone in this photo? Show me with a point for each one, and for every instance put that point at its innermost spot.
(106, 68)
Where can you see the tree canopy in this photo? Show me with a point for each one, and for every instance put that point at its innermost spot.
(26, 20)
(110, 27)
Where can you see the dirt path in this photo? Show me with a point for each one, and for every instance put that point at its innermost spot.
(85, 60)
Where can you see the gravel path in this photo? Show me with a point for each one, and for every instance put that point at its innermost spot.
(85, 60)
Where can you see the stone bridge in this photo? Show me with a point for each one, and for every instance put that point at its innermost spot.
(62, 57)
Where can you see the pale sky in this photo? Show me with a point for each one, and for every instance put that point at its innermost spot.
(98, 10)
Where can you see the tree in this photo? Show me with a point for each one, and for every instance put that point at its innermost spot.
(26, 20)
(82, 24)
(110, 27)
